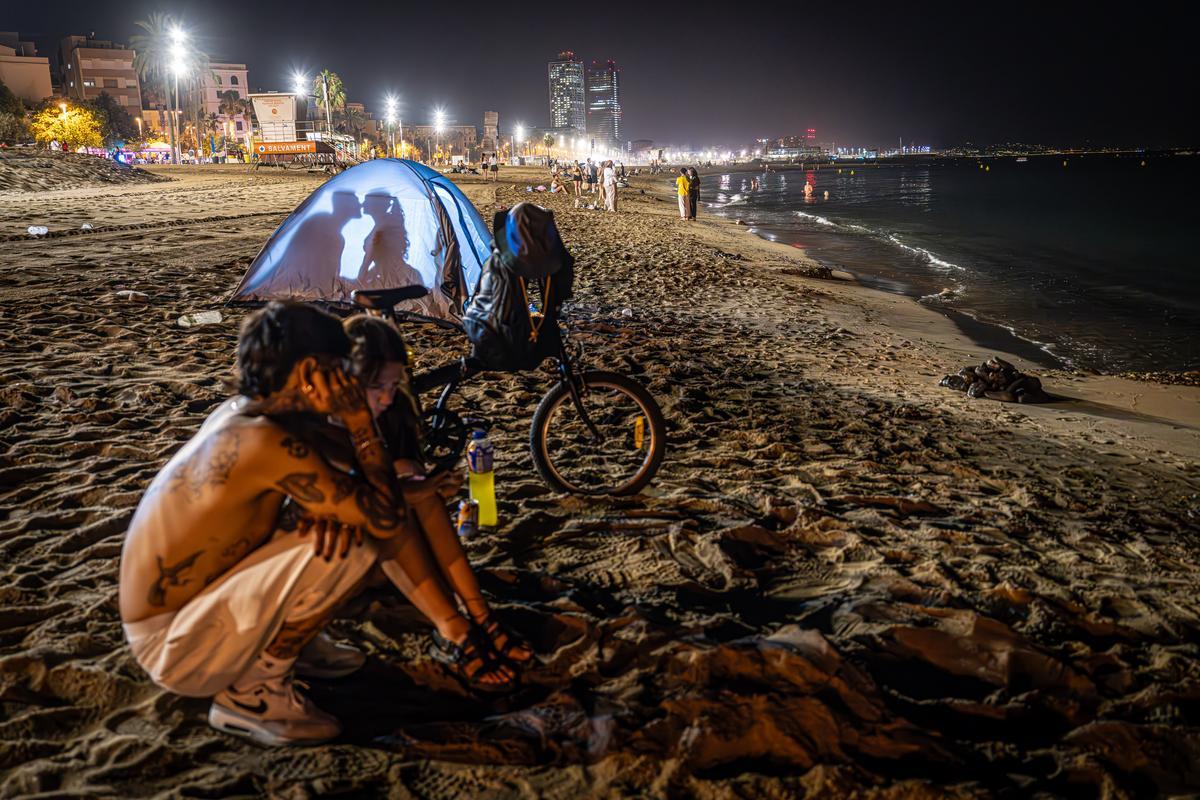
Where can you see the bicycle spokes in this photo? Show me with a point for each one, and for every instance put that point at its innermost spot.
(596, 441)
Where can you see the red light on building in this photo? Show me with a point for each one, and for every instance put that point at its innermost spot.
(812, 133)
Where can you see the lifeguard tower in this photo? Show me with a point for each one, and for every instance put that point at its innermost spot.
(284, 136)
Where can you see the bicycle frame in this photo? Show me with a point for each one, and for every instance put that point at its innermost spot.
(451, 376)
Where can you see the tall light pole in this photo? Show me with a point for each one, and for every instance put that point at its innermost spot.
(518, 135)
(390, 102)
(178, 65)
(439, 121)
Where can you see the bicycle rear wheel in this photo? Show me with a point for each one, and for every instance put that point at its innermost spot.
(623, 454)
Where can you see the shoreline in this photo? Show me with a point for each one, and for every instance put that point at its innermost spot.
(1112, 397)
(986, 332)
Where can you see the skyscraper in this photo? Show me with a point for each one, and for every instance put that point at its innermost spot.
(567, 110)
(604, 103)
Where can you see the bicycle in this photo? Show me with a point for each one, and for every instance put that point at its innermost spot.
(593, 432)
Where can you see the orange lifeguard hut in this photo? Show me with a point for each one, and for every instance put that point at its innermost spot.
(284, 136)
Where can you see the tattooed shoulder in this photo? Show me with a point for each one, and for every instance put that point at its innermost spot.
(208, 467)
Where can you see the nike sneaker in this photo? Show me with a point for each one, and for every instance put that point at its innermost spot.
(272, 713)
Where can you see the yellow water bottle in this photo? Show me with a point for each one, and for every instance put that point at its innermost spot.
(481, 477)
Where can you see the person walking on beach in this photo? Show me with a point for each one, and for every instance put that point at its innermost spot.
(223, 593)
(610, 187)
(683, 187)
(693, 192)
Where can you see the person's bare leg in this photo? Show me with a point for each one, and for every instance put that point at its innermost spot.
(410, 566)
(447, 551)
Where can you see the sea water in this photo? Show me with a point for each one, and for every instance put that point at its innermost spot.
(1092, 261)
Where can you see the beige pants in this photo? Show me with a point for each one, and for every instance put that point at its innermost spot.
(683, 206)
(204, 647)
(610, 197)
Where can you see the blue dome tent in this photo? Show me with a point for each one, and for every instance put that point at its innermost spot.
(379, 225)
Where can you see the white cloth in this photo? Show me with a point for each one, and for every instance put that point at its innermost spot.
(204, 647)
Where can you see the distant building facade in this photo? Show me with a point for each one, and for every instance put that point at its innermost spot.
(456, 140)
(91, 66)
(22, 70)
(604, 103)
(568, 108)
(219, 79)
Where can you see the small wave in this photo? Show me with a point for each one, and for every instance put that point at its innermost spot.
(815, 218)
(923, 253)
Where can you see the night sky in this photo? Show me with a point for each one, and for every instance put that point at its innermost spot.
(939, 74)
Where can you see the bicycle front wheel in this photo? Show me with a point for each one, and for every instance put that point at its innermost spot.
(611, 442)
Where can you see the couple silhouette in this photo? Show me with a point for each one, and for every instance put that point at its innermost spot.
(383, 258)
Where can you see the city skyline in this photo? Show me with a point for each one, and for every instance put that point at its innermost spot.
(874, 78)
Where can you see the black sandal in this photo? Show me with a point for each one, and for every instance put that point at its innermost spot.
(494, 629)
(475, 649)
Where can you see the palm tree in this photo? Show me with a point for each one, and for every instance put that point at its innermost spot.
(233, 104)
(354, 122)
(337, 91)
(152, 58)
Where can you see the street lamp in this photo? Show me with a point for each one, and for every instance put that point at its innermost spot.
(439, 123)
(390, 103)
(178, 65)
(519, 134)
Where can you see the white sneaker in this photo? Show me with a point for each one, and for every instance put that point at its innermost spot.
(325, 658)
(272, 713)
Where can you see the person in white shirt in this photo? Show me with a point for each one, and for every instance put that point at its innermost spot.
(610, 186)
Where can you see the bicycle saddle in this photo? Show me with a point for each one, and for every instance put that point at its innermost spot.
(386, 298)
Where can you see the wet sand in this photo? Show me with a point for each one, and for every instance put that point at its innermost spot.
(846, 580)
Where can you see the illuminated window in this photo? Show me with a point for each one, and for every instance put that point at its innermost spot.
(88, 83)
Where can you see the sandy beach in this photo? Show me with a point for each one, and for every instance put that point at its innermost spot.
(846, 580)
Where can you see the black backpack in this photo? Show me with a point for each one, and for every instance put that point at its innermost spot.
(529, 264)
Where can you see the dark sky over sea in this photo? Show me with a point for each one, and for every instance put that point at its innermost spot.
(861, 73)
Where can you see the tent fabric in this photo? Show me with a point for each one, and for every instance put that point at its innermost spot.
(381, 224)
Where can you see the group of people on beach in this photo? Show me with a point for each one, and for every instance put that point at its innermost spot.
(294, 495)
(687, 187)
(592, 177)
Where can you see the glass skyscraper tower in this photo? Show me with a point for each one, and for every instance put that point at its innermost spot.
(604, 103)
(567, 109)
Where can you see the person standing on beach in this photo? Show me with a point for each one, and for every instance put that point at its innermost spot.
(222, 593)
(610, 187)
(683, 187)
(693, 192)
(577, 179)
(591, 176)
(494, 168)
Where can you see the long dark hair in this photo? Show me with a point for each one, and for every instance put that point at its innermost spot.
(373, 343)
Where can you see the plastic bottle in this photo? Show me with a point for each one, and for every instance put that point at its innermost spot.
(481, 478)
(199, 318)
